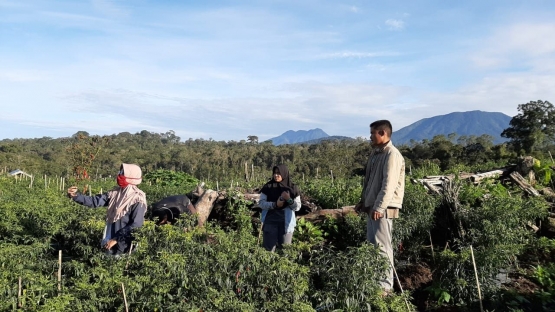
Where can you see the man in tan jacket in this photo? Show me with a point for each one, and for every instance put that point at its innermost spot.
(382, 194)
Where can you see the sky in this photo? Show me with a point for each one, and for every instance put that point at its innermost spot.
(225, 70)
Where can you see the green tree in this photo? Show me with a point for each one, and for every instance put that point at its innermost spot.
(252, 139)
(533, 127)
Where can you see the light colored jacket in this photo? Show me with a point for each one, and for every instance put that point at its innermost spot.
(290, 220)
(384, 183)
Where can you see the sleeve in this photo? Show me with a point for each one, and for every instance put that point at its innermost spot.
(99, 200)
(296, 205)
(264, 203)
(391, 169)
(136, 219)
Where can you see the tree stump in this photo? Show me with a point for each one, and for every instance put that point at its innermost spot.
(204, 204)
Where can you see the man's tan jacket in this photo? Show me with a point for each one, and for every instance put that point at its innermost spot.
(384, 183)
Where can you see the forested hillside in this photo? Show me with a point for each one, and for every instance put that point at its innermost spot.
(226, 161)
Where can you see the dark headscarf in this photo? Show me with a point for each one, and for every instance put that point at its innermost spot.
(273, 189)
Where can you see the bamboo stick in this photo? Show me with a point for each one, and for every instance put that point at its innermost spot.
(399, 283)
(432, 246)
(59, 272)
(124, 297)
(477, 281)
(128, 256)
(19, 294)
(260, 233)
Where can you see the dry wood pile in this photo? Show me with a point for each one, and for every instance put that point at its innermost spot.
(206, 200)
(514, 173)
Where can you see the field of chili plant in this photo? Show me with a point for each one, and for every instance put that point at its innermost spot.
(223, 268)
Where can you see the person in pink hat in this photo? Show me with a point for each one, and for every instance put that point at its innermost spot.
(126, 208)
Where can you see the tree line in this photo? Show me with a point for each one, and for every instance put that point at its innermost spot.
(532, 131)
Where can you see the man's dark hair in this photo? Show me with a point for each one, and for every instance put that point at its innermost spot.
(382, 125)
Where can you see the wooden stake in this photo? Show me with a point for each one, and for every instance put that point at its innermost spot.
(399, 283)
(260, 233)
(19, 305)
(59, 272)
(246, 171)
(477, 281)
(432, 246)
(124, 297)
(45, 182)
(128, 256)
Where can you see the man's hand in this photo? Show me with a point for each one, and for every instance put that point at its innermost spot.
(72, 191)
(376, 215)
(111, 243)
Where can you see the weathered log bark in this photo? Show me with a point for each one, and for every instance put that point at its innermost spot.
(548, 193)
(254, 197)
(204, 205)
(431, 187)
(490, 174)
(321, 215)
(521, 182)
(532, 226)
(525, 165)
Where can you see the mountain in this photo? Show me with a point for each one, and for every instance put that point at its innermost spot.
(462, 123)
(292, 137)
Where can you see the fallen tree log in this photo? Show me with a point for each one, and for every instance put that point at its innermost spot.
(205, 203)
(523, 184)
(490, 174)
(431, 187)
(321, 215)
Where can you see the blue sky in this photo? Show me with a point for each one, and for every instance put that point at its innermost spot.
(228, 69)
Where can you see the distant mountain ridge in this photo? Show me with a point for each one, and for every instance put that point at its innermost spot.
(300, 136)
(462, 123)
(468, 123)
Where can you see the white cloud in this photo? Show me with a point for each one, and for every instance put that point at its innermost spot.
(500, 93)
(521, 44)
(395, 24)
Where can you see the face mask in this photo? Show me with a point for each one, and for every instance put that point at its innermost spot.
(122, 181)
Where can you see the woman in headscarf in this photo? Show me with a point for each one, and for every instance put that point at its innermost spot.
(126, 208)
(279, 199)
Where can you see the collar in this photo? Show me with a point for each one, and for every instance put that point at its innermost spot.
(381, 148)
